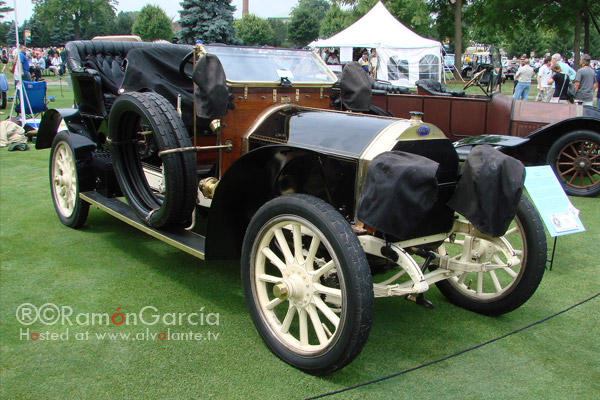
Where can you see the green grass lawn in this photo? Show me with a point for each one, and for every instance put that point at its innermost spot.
(108, 264)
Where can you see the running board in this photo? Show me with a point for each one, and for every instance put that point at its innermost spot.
(187, 241)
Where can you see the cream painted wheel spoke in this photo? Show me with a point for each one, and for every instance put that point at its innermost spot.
(496, 281)
(480, 283)
(283, 245)
(297, 235)
(327, 312)
(303, 327)
(510, 272)
(317, 326)
(328, 291)
(287, 321)
(273, 303)
(268, 278)
(312, 251)
(274, 258)
(323, 270)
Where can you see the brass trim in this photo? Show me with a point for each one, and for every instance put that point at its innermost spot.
(278, 84)
(144, 228)
(298, 94)
(274, 95)
(246, 92)
(195, 148)
(259, 121)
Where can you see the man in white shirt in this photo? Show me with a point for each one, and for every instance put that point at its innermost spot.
(524, 76)
(544, 89)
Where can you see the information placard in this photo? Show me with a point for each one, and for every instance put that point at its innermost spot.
(548, 196)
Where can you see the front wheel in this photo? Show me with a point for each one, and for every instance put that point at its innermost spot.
(575, 158)
(505, 286)
(65, 184)
(307, 283)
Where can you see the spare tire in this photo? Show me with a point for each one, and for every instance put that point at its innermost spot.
(141, 125)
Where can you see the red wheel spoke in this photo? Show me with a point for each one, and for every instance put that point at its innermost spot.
(591, 177)
(564, 153)
(567, 171)
(573, 177)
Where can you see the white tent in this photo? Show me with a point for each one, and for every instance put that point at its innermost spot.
(404, 56)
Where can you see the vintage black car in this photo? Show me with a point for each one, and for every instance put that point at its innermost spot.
(261, 155)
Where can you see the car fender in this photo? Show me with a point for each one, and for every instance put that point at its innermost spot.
(243, 189)
(51, 122)
(535, 150)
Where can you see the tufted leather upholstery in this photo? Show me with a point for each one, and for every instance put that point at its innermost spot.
(433, 87)
(97, 69)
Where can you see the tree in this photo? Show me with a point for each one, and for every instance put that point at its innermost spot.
(75, 14)
(207, 20)
(335, 21)
(306, 21)
(280, 33)
(124, 22)
(152, 24)
(5, 27)
(253, 30)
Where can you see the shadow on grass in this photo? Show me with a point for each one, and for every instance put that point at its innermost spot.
(217, 281)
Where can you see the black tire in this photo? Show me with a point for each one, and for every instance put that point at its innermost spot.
(575, 159)
(65, 185)
(131, 114)
(526, 235)
(349, 277)
(3, 101)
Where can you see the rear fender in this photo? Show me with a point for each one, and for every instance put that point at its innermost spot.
(50, 124)
(535, 150)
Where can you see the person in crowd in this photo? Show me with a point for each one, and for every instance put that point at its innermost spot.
(326, 55)
(523, 76)
(333, 58)
(584, 81)
(55, 64)
(38, 64)
(565, 68)
(364, 61)
(4, 59)
(25, 74)
(561, 85)
(373, 63)
(544, 89)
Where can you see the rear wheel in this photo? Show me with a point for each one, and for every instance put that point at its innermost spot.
(307, 283)
(64, 183)
(575, 158)
(141, 125)
(505, 286)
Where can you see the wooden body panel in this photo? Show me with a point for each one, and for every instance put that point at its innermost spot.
(250, 102)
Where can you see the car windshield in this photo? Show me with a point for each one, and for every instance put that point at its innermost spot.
(251, 64)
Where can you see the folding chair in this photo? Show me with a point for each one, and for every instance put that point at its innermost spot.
(35, 99)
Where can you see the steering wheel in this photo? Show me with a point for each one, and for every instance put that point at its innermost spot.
(184, 62)
(475, 79)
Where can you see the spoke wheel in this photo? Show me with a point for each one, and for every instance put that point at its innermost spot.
(307, 283)
(64, 183)
(506, 284)
(575, 159)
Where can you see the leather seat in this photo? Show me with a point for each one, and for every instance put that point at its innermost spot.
(435, 88)
(97, 69)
